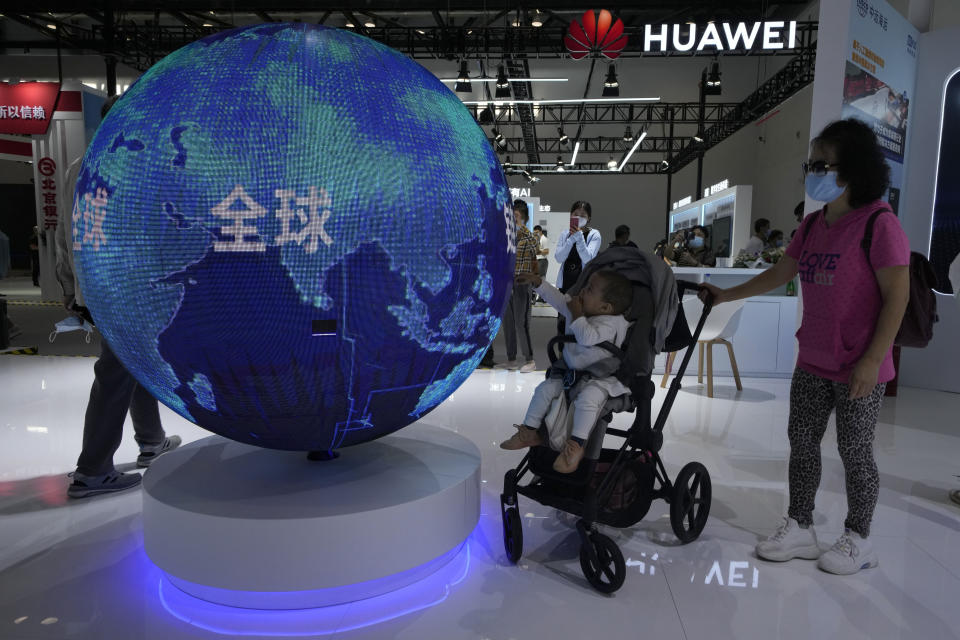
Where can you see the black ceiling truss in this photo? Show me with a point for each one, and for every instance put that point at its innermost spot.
(721, 121)
(616, 112)
(599, 144)
(797, 74)
(520, 68)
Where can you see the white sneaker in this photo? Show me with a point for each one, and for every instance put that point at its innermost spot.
(848, 555)
(528, 367)
(790, 541)
(509, 365)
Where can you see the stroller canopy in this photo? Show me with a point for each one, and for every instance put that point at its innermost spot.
(646, 270)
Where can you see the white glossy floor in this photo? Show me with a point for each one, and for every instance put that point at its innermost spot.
(77, 569)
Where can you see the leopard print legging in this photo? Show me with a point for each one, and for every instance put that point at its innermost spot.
(812, 399)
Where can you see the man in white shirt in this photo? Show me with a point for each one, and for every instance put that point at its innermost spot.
(756, 243)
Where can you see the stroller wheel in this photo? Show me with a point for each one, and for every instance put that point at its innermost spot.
(690, 503)
(602, 563)
(512, 534)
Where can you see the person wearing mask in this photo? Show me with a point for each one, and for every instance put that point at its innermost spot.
(761, 234)
(543, 251)
(854, 301)
(693, 252)
(775, 239)
(621, 237)
(577, 245)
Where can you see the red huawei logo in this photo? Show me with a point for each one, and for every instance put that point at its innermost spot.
(596, 33)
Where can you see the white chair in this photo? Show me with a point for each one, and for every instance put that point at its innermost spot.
(720, 326)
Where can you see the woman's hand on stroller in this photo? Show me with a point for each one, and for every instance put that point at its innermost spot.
(528, 278)
(718, 294)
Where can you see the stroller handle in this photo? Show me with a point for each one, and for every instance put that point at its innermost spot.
(685, 285)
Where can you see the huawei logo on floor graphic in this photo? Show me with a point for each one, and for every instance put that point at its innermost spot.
(595, 34)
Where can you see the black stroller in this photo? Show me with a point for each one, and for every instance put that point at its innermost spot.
(615, 487)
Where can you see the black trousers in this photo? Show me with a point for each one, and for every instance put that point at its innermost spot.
(114, 392)
(35, 265)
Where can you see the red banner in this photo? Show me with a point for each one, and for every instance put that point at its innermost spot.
(27, 107)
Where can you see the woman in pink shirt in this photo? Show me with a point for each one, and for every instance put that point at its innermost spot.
(854, 299)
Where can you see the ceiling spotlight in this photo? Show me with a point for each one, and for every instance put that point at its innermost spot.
(349, 25)
(205, 24)
(503, 85)
(498, 137)
(564, 139)
(611, 87)
(51, 26)
(463, 79)
(537, 20)
(713, 80)
(560, 164)
(628, 135)
(507, 163)
(665, 164)
(698, 136)
(369, 24)
(710, 84)
(612, 164)
(485, 116)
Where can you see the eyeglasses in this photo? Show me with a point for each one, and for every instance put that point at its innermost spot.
(818, 168)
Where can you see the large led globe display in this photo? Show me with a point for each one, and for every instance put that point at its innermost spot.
(294, 236)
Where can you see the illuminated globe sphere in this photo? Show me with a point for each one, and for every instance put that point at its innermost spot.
(294, 236)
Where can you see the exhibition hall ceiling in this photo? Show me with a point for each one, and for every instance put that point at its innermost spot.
(535, 125)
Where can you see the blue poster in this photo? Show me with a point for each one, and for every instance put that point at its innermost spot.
(879, 81)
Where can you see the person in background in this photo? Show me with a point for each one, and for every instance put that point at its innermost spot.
(854, 303)
(761, 234)
(516, 317)
(114, 391)
(35, 255)
(689, 249)
(775, 239)
(621, 237)
(576, 246)
(798, 215)
(542, 252)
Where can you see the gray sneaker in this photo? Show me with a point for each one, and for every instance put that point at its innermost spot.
(149, 453)
(509, 365)
(528, 367)
(848, 555)
(84, 486)
(790, 541)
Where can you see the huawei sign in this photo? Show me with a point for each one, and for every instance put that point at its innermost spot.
(596, 34)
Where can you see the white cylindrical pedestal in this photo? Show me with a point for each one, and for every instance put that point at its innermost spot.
(266, 529)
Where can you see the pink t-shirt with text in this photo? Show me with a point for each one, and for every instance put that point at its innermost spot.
(841, 297)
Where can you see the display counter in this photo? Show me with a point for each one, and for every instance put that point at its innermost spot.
(764, 343)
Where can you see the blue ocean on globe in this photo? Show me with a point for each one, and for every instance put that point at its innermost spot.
(294, 236)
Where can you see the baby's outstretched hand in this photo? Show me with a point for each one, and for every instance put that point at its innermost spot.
(528, 278)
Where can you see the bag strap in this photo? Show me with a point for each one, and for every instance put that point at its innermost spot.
(806, 226)
(868, 232)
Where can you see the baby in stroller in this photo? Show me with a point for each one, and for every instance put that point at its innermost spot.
(593, 317)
